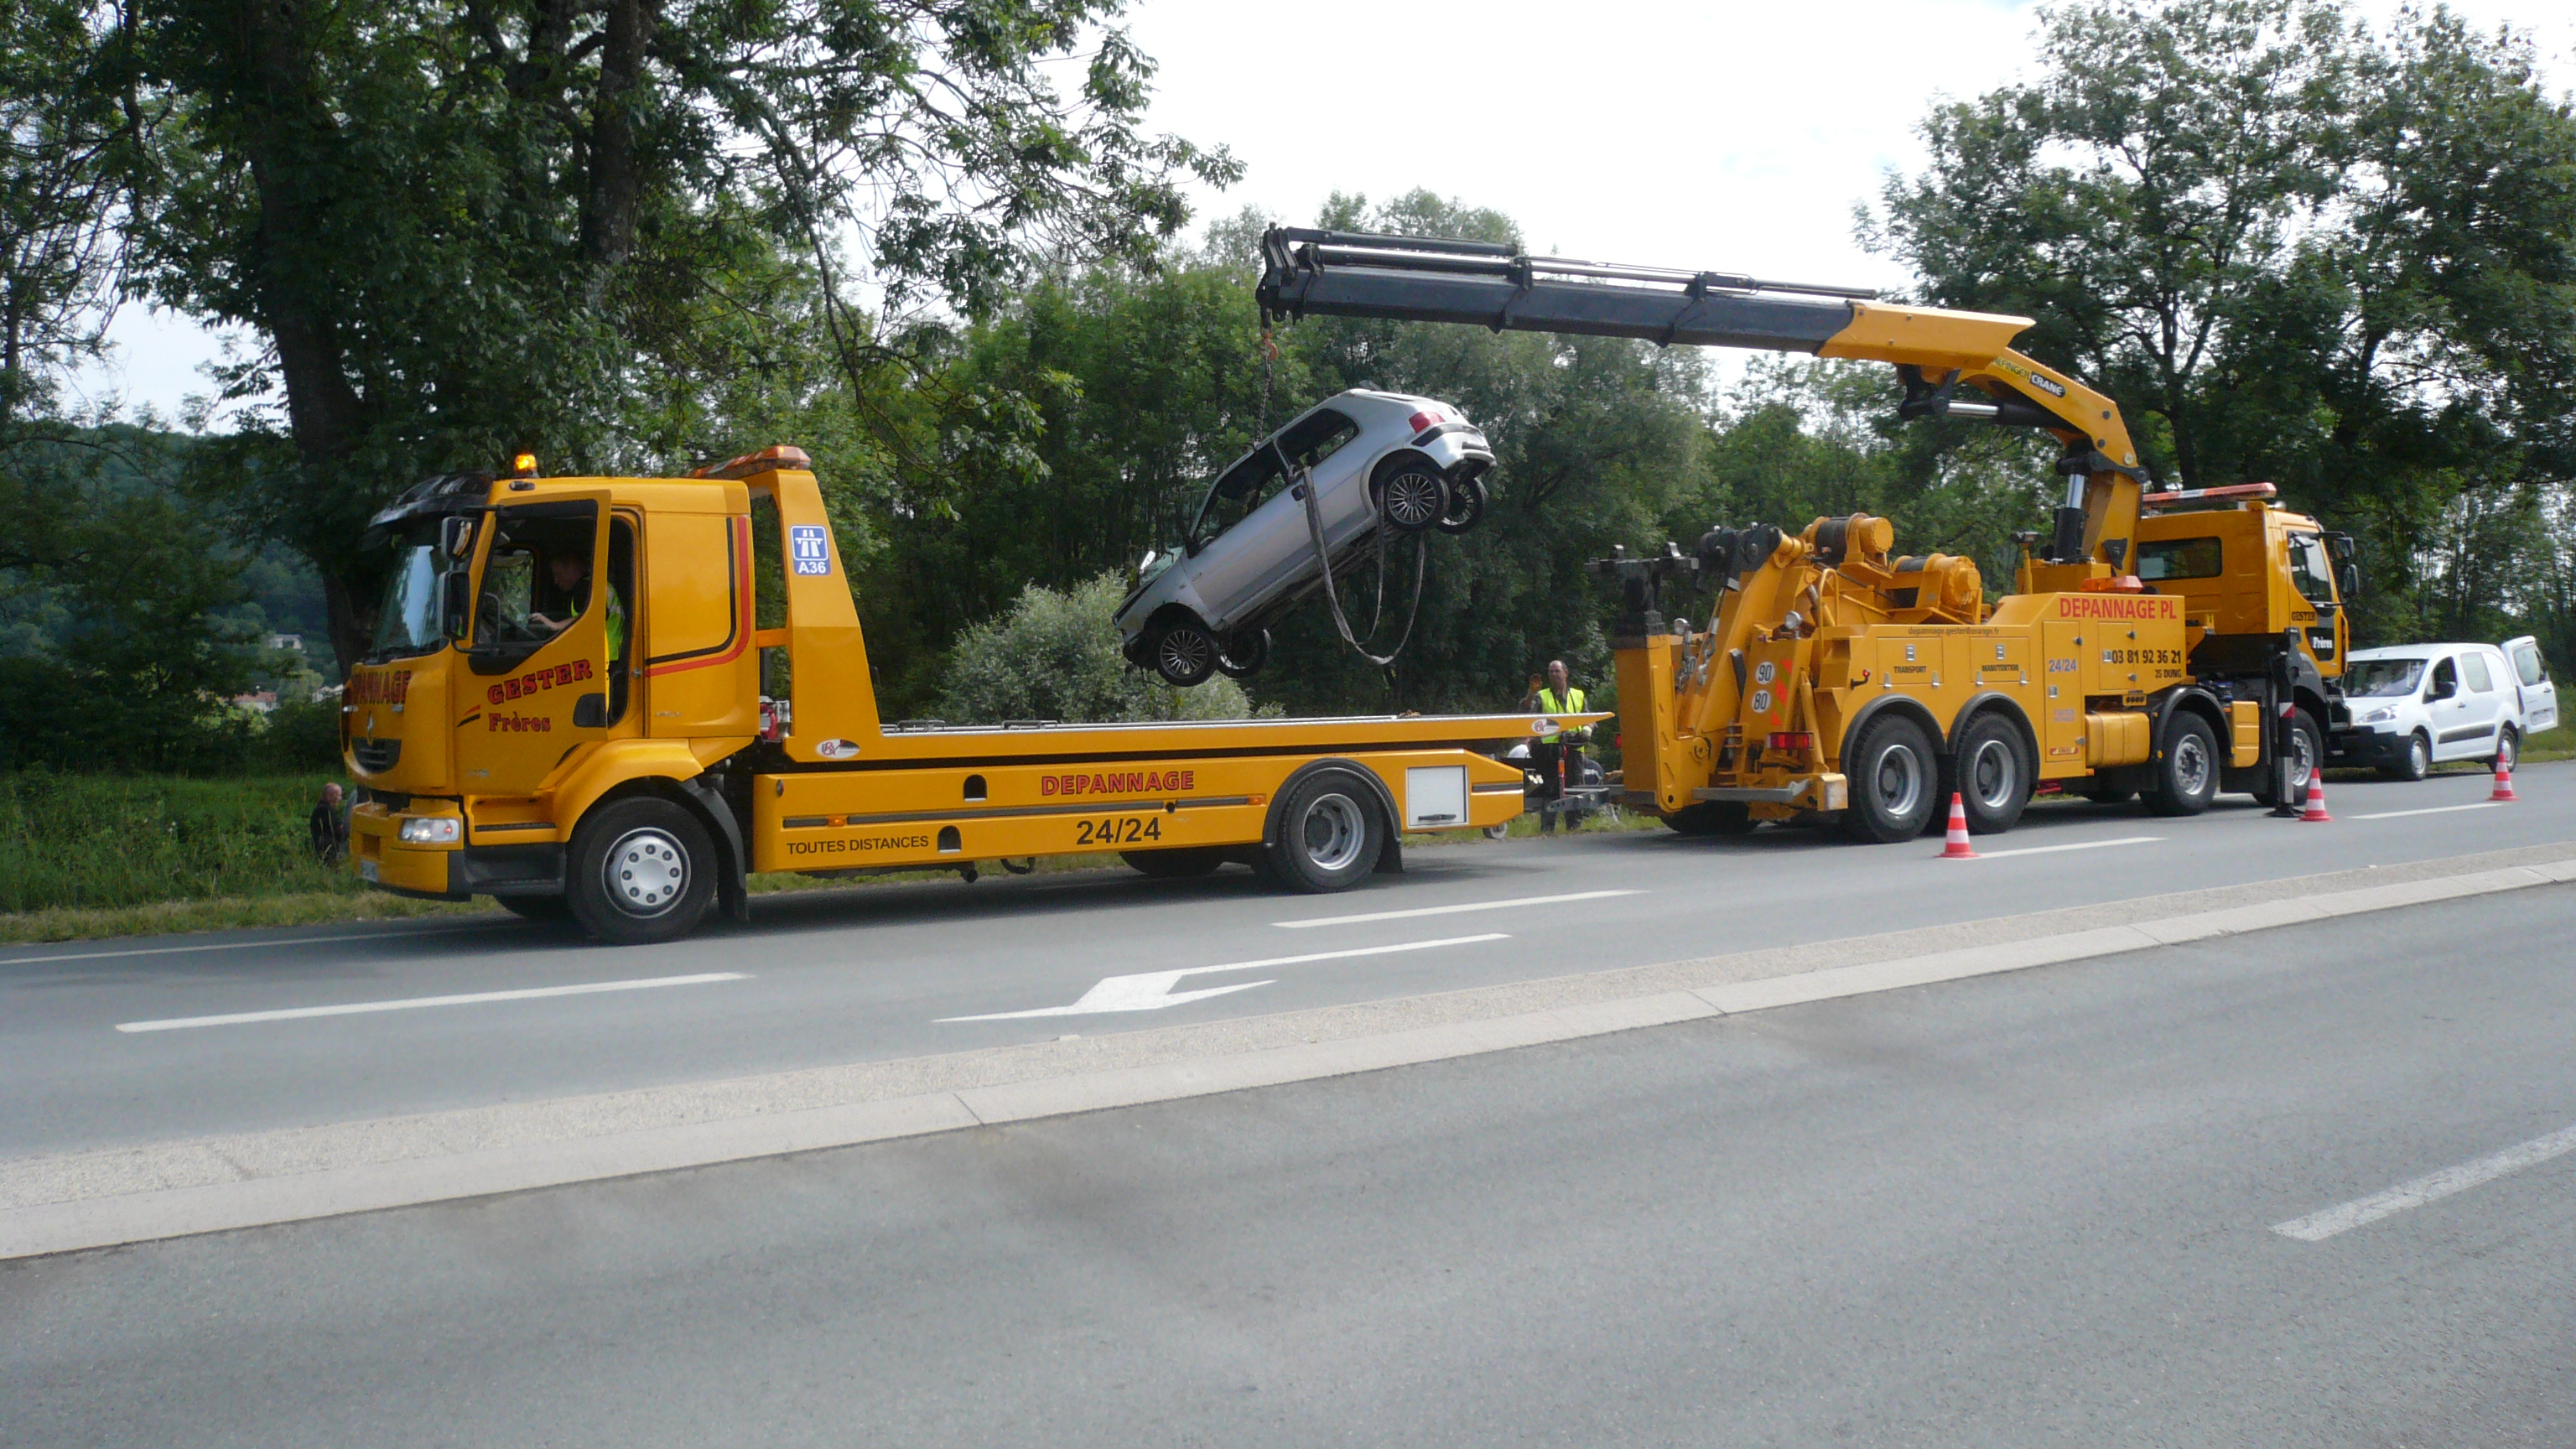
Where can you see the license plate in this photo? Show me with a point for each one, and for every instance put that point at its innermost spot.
(367, 870)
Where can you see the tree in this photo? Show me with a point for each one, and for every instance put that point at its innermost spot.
(1054, 656)
(463, 227)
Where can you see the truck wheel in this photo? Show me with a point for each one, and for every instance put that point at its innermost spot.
(2416, 763)
(1410, 493)
(1329, 834)
(642, 870)
(2186, 777)
(1892, 772)
(546, 909)
(1186, 862)
(1246, 650)
(1994, 774)
(1466, 505)
(1184, 652)
(2307, 750)
(1712, 817)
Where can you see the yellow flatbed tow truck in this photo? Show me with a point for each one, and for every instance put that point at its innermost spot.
(2164, 645)
(615, 697)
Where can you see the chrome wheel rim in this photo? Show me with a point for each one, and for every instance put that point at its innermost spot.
(1415, 500)
(1333, 832)
(1899, 778)
(2303, 760)
(1186, 653)
(646, 872)
(2191, 765)
(2419, 755)
(2505, 749)
(1994, 773)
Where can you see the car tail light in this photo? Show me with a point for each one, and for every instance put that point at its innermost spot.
(1799, 740)
(1428, 417)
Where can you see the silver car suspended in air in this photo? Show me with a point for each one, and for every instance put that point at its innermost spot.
(1373, 458)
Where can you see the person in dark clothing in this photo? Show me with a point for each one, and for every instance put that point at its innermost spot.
(330, 828)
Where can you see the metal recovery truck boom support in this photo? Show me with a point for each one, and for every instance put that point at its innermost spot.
(1954, 364)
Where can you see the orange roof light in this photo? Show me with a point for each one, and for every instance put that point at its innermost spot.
(767, 460)
(524, 465)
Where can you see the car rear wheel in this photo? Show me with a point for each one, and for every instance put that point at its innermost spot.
(1246, 650)
(1329, 834)
(1184, 652)
(642, 870)
(1410, 494)
(1466, 505)
(2508, 748)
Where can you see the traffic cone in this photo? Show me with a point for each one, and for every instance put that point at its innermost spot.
(2316, 814)
(2503, 792)
(1956, 846)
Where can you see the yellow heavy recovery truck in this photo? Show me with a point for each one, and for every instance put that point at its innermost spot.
(615, 697)
(2162, 645)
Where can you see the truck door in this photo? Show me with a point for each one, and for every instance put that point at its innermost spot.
(538, 683)
(2312, 573)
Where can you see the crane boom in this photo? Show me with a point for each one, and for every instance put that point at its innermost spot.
(1953, 364)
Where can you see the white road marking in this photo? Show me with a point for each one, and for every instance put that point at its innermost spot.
(249, 945)
(2318, 1226)
(2078, 845)
(1451, 910)
(359, 1008)
(1152, 990)
(2428, 810)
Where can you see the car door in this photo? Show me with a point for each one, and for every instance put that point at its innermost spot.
(1246, 543)
(2444, 708)
(2486, 688)
(2531, 679)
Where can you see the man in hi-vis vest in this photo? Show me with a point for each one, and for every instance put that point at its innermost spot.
(1557, 757)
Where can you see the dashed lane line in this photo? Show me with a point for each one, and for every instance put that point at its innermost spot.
(413, 1003)
(2316, 1227)
(2078, 845)
(1453, 910)
(2427, 810)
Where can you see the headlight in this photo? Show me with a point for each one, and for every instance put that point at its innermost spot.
(2378, 716)
(432, 830)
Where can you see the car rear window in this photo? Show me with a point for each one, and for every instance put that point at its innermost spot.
(2526, 663)
(2179, 558)
(2475, 666)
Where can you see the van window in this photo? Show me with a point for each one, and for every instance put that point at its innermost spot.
(2526, 664)
(2179, 558)
(2475, 665)
(2446, 680)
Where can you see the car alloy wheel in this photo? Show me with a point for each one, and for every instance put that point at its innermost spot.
(1413, 498)
(1185, 654)
(1466, 505)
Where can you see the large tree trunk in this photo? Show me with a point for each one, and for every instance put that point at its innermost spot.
(610, 209)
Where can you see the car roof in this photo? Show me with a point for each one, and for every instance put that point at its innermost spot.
(2411, 651)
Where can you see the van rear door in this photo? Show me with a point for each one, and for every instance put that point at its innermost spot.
(2531, 677)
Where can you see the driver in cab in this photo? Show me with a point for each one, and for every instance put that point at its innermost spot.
(569, 571)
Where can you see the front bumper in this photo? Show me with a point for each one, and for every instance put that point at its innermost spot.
(2366, 747)
(451, 872)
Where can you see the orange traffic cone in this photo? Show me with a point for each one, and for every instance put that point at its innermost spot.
(2316, 811)
(2503, 793)
(1956, 846)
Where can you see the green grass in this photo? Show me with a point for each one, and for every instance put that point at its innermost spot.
(105, 842)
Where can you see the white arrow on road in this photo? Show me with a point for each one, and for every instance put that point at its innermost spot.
(1152, 990)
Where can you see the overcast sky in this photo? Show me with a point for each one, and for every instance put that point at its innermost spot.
(1725, 136)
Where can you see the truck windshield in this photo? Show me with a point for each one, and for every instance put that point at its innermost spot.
(2382, 678)
(408, 620)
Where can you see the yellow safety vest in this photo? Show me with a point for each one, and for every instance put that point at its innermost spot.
(1549, 703)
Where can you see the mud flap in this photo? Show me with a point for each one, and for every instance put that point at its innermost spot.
(733, 886)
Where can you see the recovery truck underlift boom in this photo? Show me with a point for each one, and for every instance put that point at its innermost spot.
(2165, 645)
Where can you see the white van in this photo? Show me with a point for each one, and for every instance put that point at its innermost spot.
(2416, 705)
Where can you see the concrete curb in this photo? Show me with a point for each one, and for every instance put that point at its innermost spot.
(92, 1200)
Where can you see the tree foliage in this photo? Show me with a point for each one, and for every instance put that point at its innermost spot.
(1054, 656)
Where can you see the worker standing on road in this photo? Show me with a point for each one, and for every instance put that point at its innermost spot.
(330, 828)
(1558, 756)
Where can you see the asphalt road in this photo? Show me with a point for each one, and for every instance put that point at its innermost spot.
(883, 971)
(2024, 1210)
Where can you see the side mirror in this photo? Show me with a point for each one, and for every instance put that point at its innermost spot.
(2348, 580)
(2440, 689)
(2341, 546)
(455, 535)
(456, 601)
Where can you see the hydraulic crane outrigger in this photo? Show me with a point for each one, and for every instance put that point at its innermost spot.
(1865, 686)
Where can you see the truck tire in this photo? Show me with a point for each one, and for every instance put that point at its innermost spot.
(1186, 862)
(2416, 763)
(2185, 773)
(1712, 817)
(1994, 773)
(543, 909)
(1893, 775)
(1329, 834)
(641, 870)
(2309, 753)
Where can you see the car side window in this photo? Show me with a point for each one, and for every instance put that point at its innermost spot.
(2475, 665)
(1256, 480)
(2446, 681)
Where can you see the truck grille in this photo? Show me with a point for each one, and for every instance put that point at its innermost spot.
(375, 756)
